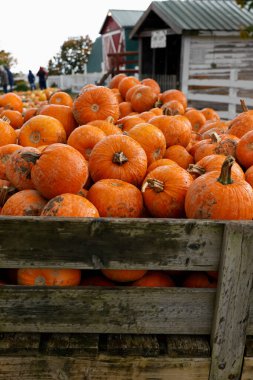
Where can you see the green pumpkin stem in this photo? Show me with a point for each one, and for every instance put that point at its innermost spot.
(225, 175)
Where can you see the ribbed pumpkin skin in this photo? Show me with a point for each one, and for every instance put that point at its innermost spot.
(249, 175)
(24, 203)
(107, 127)
(7, 134)
(18, 168)
(151, 139)
(97, 103)
(209, 199)
(226, 146)
(70, 205)
(241, 124)
(143, 99)
(180, 155)
(168, 203)
(116, 198)
(62, 113)
(244, 150)
(101, 163)
(161, 162)
(49, 277)
(60, 169)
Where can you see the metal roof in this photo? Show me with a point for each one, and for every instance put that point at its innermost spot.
(179, 15)
(124, 18)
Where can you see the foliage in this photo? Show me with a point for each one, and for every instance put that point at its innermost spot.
(7, 59)
(21, 85)
(72, 57)
(248, 31)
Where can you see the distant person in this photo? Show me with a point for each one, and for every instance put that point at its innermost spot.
(3, 78)
(10, 78)
(31, 80)
(42, 74)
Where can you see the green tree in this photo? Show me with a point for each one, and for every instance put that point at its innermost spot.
(7, 59)
(248, 31)
(73, 56)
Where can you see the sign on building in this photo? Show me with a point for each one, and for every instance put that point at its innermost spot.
(158, 39)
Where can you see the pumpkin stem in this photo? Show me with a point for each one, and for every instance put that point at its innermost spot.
(119, 158)
(152, 183)
(225, 175)
(30, 157)
(195, 169)
(110, 119)
(158, 103)
(243, 105)
(215, 137)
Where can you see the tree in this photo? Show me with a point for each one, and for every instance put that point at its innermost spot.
(73, 56)
(7, 59)
(248, 31)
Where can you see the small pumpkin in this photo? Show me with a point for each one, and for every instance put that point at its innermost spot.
(49, 277)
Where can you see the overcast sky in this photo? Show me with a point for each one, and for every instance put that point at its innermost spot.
(33, 30)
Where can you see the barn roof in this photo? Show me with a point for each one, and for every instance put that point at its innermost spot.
(124, 18)
(209, 15)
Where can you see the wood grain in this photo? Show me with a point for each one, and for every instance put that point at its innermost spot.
(88, 243)
(247, 372)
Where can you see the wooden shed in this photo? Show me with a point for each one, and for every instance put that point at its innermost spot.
(115, 36)
(197, 46)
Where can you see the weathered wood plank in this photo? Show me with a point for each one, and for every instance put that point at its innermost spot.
(134, 345)
(103, 367)
(19, 343)
(106, 310)
(116, 243)
(249, 346)
(69, 344)
(232, 303)
(188, 346)
(247, 372)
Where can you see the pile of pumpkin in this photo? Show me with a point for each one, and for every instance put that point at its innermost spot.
(127, 150)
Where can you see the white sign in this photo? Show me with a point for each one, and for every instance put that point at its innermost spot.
(158, 39)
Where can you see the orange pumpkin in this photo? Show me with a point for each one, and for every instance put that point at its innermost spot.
(18, 168)
(210, 114)
(218, 144)
(244, 150)
(11, 101)
(70, 205)
(215, 195)
(180, 155)
(107, 127)
(153, 84)
(15, 117)
(123, 275)
(126, 83)
(7, 133)
(196, 118)
(249, 176)
(155, 279)
(172, 108)
(62, 113)
(57, 170)
(84, 138)
(173, 94)
(128, 122)
(151, 139)
(118, 157)
(97, 103)
(41, 130)
(198, 280)
(5, 153)
(24, 203)
(49, 277)
(161, 162)
(114, 82)
(143, 99)
(116, 198)
(164, 190)
(61, 98)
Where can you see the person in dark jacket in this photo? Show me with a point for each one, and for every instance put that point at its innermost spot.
(10, 78)
(31, 80)
(42, 74)
(3, 79)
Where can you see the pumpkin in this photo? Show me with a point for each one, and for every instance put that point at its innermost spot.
(49, 277)
(84, 138)
(41, 130)
(116, 198)
(196, 118)
(244, 150)
(70, 205)
(215, 195)
(7, 133)
(57, 170)
(125, 108)
(24, 203)
(118, 157)
(107, 127)
(123, 275)
(198, 280)
(5, 153)
(97, 103)
(15, 117)
(151, 139)
(153, 84)
(97, 279)
(143, 98)
(176, 129)
(161, 162)
(131, 91)
(62, 113)
(210, 114)
(173, 94)
(126, 83)
(11, 101)
(29, 113)
(18, 168)
(128, 122)
(241, 124)
(164, 190)
(179, 154)
(114, 82)
(249, 175)
(154, 279)
(218, 124)
(61, 98)
(173, 107)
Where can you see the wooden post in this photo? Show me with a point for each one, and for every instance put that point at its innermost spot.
(232, 93)
(232, 303)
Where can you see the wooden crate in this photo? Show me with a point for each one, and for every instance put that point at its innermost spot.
(38, 324)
